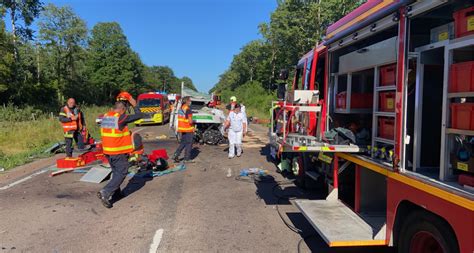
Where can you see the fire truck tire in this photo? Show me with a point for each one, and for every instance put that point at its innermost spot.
(425, 232)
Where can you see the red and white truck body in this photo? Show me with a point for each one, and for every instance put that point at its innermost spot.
(399, 75)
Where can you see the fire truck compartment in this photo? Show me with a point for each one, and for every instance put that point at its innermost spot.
(364, 84)
(436, 139)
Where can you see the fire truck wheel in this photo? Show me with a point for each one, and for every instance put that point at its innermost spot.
(424, 232)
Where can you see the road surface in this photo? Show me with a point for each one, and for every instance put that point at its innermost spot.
(200, 209)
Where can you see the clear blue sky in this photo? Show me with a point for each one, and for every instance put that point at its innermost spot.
(196, 38)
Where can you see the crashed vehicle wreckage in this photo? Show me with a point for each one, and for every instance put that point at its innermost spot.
(208, 121)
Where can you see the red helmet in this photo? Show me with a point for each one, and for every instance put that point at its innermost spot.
(124, 96)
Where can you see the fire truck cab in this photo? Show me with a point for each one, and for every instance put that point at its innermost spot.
(382, 115)
(155, 106)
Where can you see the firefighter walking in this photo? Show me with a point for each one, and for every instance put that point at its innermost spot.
(72, 121)
(117, 144)
(186, 131)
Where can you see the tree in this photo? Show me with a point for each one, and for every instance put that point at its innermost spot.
(188, 83)
(111, 64)
(6, 63)
(162, 78)
(25, 10)
(294, 28)
(63, 34)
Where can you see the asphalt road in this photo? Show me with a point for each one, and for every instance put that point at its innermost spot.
(200, 209)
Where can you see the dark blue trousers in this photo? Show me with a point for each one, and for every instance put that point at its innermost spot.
(185, 143)
(119, 164)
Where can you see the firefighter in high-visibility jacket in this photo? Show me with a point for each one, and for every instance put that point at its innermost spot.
(72, 121)
(117, 144)
(186, 131)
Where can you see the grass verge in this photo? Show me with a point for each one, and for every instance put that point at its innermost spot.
(21, 141)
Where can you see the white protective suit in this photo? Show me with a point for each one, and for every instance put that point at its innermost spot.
(237, 121)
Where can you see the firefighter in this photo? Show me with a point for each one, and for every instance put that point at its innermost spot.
(186, 131)
(237, 125)
(72, 121)
(117, 144)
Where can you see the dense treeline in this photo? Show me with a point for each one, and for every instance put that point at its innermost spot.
(294, 28)
(64, 59)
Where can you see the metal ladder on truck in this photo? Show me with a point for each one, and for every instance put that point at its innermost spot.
(284, 141)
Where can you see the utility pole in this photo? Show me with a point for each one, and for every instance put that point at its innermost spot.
(164, 82)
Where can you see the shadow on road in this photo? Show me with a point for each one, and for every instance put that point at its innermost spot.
(135, 184)
(281, 194)
(265, 151)
(195, 152)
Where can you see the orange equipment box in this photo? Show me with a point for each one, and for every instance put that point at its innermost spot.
(386, 128)
(387, 75)
(387, 101)
(462, 116)
(464, 22)
(462, 77)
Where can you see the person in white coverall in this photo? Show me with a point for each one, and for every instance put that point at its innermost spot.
(237, 124)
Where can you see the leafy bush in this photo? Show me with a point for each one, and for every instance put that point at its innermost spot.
(11, 113)
(256, 99)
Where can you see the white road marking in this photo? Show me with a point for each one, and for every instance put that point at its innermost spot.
(23, 179)
(156, 241)
(137, 129)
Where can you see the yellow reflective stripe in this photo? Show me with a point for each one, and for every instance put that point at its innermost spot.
(185, 128)
(113, 134)
(357, 243)
(63, 114)
(118, 148)
(415, 183)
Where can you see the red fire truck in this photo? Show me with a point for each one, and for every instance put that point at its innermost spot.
(382, 115)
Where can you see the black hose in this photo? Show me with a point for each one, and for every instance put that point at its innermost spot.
(262, 179)
(287, 198)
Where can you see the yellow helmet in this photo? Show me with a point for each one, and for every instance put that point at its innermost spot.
(233, 99)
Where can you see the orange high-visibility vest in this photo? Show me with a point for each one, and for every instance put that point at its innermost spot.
(72, 125)
(184, 126)
(114, 140)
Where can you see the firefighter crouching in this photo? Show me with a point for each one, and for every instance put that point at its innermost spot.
(73, 122)
(117, 144)
(186, 131)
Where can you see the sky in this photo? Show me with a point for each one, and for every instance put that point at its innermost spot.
(196, 38)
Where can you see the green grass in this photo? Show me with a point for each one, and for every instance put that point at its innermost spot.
(23, 139)
(257, 113)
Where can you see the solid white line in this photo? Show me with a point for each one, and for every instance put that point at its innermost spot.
(23, 179)
(156, 241)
